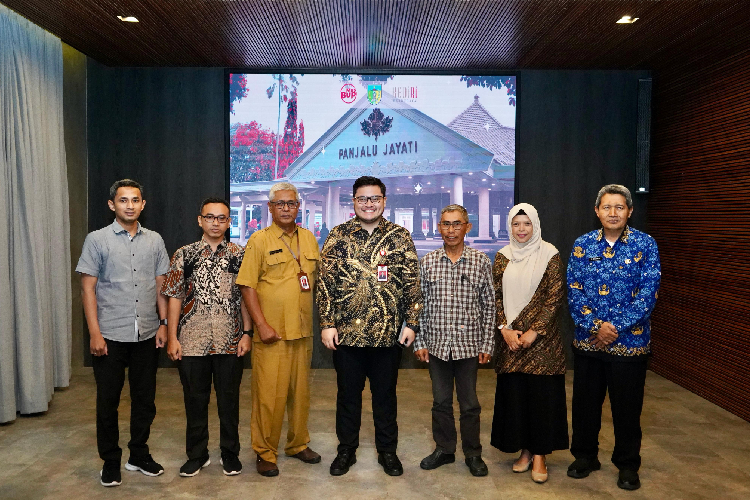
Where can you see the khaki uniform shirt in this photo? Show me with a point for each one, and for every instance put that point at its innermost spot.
(271, 269)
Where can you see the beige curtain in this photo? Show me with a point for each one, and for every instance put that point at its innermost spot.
(35, 293)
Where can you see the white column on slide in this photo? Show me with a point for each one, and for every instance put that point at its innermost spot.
(303, 210)
(457, 195)
(243, 222)
(484, 213)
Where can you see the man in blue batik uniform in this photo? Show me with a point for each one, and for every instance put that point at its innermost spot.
(613, 283)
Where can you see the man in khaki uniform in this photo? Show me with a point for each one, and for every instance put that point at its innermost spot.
(276, 278)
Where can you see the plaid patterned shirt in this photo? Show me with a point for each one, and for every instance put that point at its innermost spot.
(458, 320)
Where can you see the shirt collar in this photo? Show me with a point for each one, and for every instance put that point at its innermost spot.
(358, 224)
(278, 232)
(204, 244)
(117, 228)
(442, 253)
(624, 237)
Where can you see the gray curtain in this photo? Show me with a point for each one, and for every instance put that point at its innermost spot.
(35, 293)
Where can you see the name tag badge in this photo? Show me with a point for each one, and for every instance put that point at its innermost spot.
(382, 273)
(304, 281)
(592, 259)
(272, 252)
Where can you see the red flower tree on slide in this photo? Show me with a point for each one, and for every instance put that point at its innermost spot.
(257, 153)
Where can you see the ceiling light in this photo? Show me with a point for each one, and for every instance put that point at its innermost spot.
(627, 20)
(132, 19)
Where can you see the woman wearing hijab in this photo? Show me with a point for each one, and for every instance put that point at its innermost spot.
(530, 406)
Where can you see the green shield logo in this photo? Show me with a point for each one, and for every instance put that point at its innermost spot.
(374, 93)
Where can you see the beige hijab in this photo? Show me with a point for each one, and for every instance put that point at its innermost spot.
(528, 262)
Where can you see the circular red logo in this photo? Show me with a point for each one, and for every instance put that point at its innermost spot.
(348, 93)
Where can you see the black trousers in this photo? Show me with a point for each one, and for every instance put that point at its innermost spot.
(196, 373)
(531, 413)
(625, 381)
(109, 372)
(464, 372)
(354, 365)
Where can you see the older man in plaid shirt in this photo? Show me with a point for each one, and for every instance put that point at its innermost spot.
(456, 335)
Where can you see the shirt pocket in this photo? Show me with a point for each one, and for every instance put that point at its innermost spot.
(469, 286)
(310, 262)
(438, 286)
(277, 264)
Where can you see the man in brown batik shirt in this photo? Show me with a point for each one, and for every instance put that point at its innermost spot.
(206, 335)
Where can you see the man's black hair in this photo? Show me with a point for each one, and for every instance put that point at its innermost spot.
(124, 183)
(216, 199)
(367, 180)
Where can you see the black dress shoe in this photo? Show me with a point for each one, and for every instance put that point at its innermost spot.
(477, 467)
(391, 464)
(582, 467)
(628, 480)
(342, 462)
(436, 459)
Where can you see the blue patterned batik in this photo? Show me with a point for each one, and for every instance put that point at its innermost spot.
(617, 284)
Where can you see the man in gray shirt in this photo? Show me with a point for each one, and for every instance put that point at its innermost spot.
(122, 267)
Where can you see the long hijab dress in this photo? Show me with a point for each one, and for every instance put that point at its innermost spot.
(530, 404)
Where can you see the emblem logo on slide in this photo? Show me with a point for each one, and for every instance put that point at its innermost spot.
(374, 93)
(348, 93)
(376, 124)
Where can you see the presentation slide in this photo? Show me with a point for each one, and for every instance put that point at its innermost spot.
(432, 139)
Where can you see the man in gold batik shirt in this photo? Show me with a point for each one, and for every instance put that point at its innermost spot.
(369, 285)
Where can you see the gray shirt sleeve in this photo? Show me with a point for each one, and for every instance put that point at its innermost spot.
(90, 261)
(162, 258)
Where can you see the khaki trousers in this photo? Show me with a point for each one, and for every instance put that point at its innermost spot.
(280, 381)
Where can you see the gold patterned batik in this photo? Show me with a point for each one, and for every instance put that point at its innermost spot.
(369, 283)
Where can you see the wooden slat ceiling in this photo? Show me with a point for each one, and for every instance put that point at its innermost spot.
(420, 34)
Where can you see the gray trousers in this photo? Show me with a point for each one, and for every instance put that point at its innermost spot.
(443, 374)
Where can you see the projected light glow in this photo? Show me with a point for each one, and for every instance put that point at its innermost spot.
(425, 136)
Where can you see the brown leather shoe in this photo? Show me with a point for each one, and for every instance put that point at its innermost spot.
(308, 456)
(266, 468)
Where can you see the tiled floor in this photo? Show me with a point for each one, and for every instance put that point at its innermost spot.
(691, 449)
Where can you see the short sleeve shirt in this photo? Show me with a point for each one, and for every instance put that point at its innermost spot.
(211, 319)
(271, 269)
(126, 269)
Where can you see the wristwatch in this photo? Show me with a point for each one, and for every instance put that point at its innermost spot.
(249, 333)
(501, 327)
(163, 322)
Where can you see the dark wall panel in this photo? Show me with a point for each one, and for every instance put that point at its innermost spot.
(700, 217)
(76, 156)
(165, 128)
(576, 133)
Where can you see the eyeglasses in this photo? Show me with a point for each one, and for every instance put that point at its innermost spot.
(362, 200)
(618, 208)
(211, 217)
(281, 204)
(455, 224)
